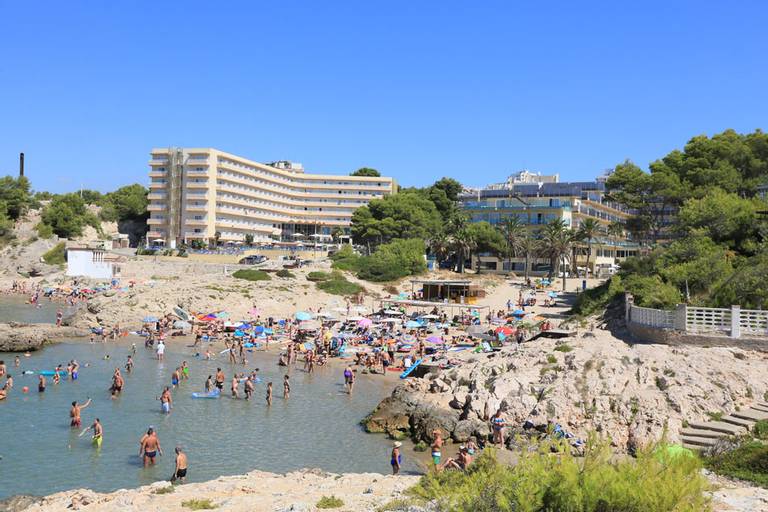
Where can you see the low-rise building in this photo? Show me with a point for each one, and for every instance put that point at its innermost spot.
(91, 263)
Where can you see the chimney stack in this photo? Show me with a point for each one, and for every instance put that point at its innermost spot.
(21, 164)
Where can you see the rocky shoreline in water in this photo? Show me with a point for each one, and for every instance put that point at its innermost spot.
(20, 337)
(591, 382)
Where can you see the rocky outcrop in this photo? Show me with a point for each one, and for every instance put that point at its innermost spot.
(16, 337)
(595, 383)
(300, 490)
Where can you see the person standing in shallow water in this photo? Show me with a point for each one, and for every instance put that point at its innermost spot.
(286, 387)
(269, 393)
(180, 471)
(396, 459)
(74, 412)
(150, 447)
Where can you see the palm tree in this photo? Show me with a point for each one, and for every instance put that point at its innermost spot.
(513, 231)
(461, 239)
(588, 230)
(528, 247)
(440, 246)
(616, 230)
(556, 241)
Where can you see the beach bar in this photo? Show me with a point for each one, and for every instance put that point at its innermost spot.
(447, 290)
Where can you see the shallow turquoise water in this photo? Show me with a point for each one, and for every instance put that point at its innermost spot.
(317, 427)
(14, 309)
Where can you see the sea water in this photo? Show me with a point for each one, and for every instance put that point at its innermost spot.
(317, 427)
(14, 308)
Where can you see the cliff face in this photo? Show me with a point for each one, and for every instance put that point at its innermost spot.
(595, 383)
(15, 337)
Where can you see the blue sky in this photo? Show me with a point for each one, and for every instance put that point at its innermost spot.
(419, 90)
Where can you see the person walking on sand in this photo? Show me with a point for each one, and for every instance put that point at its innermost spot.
(180, 471)
(286, 387)
(74, 413)
(396, 459)
(150, 447)
(269, 393)
(166, 401)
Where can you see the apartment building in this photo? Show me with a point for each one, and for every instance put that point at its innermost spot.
(540, 202)
(207, 194)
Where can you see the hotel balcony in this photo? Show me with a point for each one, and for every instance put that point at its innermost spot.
(156, 195)
(192, 234)
(155, 234)
(158, 185)
(197, 184)
(158, 222)
(158, 161)
(158, 174)
(196, 208)
(196, 222)
(156, 207)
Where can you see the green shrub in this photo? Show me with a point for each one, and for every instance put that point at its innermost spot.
(548, 477)
(346, 259)
(318, 276)
(421, 446)
(337, 284)
(44, 231)
(551, 359)
(199, 504)
(760, 430)
(395, 505)
(595, 300)
(57, 255)
(168, 489)
(142, 251)
(397, 259)
(749, 462)
(329, 502)
(652, 292)
(563, 348)
(252, 275)
(715, 416)
(285, 273)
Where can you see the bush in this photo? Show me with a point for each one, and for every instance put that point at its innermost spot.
(551, 359)
(563, 348)
(56, 256)
(748, 461)
(252, 275)
(595, 300)
(318, 276)
(168, 489)
(760, 430)
(656, 481)
(44, 231)
(285, 273)
(397, 259)
(346, 259)
(329, 502)
(199, 504)
(337, 284)
(142, 251)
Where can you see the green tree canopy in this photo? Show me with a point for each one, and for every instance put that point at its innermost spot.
(404, 215)
(724, 216)
(366, 171)
(126, 203)
(67, 215)
(15, 196)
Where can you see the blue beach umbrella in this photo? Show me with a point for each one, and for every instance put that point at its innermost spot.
(258, 329)
(411, 324)
(518, 312)
(301, 316)
(149, 319)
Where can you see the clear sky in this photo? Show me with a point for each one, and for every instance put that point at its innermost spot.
(416, 89)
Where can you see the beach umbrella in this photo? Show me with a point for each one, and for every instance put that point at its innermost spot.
(181, 324)
(392, 312)
(221, 314)
(429, 317)
(359, 309)
(552, 294)
(340, 310)
(355, 318)
(518, 312)
(238, 333)
(302, 316)
(435, 339)
(326, 315)
(149, 319)
(390, 321)
(364, 322)
(258, 329)
(268, 331)
(411, 324)
(504, 330)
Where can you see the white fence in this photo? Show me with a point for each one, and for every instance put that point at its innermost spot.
(652, 317)
(732, 322)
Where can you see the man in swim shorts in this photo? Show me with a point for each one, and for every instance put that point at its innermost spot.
(180, 472)
(74, 412)
(41, 384)
(175, 378)
(166, 402)
(150, 447)
(219, 379)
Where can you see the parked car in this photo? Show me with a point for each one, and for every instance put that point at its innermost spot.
(253, 260)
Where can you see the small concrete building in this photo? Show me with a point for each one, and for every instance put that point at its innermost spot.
(91, 263)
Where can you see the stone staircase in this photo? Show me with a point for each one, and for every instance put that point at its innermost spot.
(702, 434)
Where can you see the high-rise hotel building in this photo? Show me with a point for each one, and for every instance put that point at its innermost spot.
(202, 193)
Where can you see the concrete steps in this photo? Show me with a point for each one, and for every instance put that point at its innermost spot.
(702, 434)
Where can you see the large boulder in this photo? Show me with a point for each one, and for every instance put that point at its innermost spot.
(390, 415)
(16, 337)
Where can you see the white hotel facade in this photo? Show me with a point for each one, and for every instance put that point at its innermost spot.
(195, 193)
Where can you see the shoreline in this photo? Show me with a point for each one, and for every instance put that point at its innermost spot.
(252, 491)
